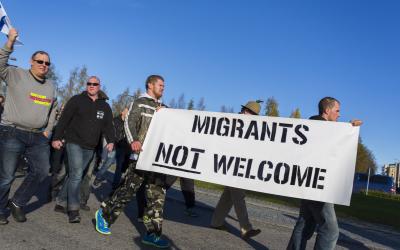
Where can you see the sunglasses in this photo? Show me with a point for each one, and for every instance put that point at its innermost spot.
(92, 84)
(42, 62)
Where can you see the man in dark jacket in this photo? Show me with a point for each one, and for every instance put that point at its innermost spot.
(313, 213)
(85, 118)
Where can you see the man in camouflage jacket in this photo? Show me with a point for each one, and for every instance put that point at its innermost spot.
(136, 125)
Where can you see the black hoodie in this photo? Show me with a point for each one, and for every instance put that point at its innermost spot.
(83, 121)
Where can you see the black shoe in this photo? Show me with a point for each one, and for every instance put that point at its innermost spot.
(74, 216)
(191, 213)
(97, 182)
(3, 219)
(49, 197)
(17, 212)
(85, 207)
(60, 209)
(250, 233)
(222, 228)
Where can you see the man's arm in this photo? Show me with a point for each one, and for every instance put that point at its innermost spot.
(52, 119)
(131, 124)
(66, 117)
(109, 129)
(12, 37)
(5, 53)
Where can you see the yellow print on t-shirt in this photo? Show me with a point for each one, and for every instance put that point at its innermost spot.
(40, 99)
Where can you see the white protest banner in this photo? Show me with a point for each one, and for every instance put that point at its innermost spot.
(299, 158)
(5, 24)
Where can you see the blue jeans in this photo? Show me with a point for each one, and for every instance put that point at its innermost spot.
(78, 160)
(35, 146)
(108, 160)
(86, 179)
(313, 213)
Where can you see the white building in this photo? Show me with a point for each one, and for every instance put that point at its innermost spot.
(393, 170)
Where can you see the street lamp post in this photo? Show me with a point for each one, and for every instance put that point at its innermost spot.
(369, 173)
(397, 175)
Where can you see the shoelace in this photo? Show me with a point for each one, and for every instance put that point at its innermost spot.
(105, 224)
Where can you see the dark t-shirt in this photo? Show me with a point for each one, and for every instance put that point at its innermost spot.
(317, 117)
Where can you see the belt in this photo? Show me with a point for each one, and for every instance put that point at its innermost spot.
(33, 130)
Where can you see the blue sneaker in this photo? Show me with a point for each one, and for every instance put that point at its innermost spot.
(101, 223)
(154, 240)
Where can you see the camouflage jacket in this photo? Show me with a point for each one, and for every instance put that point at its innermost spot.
(139, 117)
(136, 125)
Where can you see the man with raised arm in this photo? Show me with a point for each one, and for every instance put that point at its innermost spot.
(28, 118)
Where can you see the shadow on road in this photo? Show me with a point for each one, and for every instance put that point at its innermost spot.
(370, 233)
(173, 211)
(42, 196)
(138, 242)
(348, 242)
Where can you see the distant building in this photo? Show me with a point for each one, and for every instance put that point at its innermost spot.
(393, 170)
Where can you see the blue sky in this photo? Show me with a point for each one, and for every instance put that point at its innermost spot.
(231, 51)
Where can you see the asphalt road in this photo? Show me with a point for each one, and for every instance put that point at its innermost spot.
(46, 229)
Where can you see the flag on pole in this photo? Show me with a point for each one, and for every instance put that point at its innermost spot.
(5, 24)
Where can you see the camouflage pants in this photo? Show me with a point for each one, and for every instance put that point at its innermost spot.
(115, 204)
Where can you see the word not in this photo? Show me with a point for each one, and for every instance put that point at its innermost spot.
(178, 156)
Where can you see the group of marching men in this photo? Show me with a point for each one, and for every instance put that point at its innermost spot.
(33, 126)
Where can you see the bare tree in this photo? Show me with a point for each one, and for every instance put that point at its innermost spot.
(104, 90)
(137, 94)
(53, 75)
(172, 104)
(200, 105)
(124, 99)
(226, 109)
(191, 105)
(75, 85)
(181, 102)
(295, 113)
(271, 107)
(121, 101)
